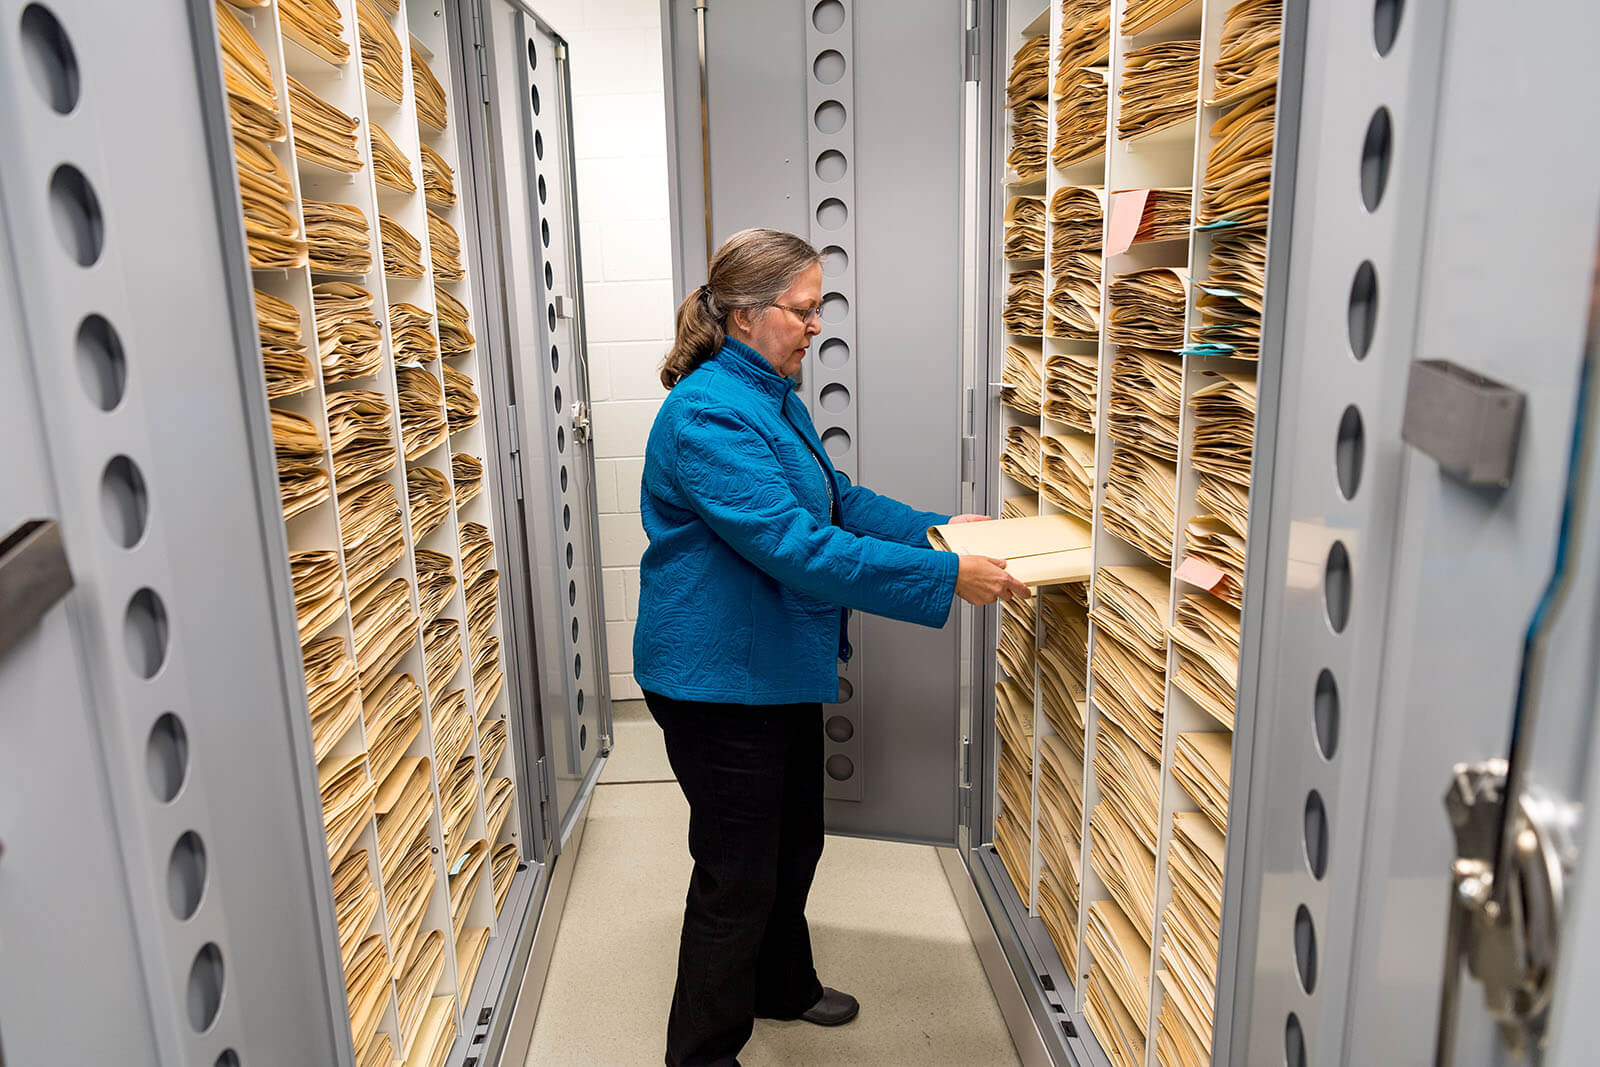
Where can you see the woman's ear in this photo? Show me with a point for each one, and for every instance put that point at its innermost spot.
(742, 318)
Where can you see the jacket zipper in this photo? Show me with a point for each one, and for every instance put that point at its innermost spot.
(845, 651)
(827, 482)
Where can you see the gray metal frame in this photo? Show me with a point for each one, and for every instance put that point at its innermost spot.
(527, 424)
(904, 416)
(212, 552)
(1442, 576)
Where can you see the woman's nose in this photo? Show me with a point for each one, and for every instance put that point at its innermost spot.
(814, 326)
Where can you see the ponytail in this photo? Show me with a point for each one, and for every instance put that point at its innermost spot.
(699, 335)
(752, 269)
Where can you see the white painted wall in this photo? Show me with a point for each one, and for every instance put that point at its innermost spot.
(619, 126)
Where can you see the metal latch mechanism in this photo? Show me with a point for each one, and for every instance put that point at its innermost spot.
(1508, 934)
(580, 423)
(1516, 842)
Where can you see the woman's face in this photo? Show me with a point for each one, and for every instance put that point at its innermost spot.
(783, 335)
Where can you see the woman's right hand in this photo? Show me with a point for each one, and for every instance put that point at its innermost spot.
(982, 580)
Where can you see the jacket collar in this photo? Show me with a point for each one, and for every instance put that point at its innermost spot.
(753, 367)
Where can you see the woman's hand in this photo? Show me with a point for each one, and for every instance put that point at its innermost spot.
(970, 518)
(982, 580)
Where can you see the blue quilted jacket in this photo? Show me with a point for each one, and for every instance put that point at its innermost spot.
(756, 543)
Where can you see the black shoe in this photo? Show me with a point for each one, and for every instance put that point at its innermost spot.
(834, 1009)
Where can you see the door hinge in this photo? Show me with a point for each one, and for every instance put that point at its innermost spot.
(971, 55)
(513, 429)
(516, 478)
(964, 785)
(580, 423)
(546, 800)
(969, 459)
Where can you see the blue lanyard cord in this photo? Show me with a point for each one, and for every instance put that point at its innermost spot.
(1550, 602)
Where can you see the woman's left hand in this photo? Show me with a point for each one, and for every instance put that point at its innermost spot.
(970, 518)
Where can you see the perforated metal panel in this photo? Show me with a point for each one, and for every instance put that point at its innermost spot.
(172, 653)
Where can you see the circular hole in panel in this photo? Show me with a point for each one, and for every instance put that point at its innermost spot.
(1325, 714)
(558, 400)
(205, 987)
(561, 438)
(555, 358)
(186, 876)
(832, 214)
(124, 503)
(229, 1058)
(835, 307)
(831, 166)
(48, 55)
(580, 702)
(144, 633)
(828, 16)
(1375, 152)
(577, 665)
(835, 261)
(566, 516)
(569, 555)
(572, 594)
(1294, 1043)
(541, 189)
(75, 211)
(102, 366)
(834, 352)
(1316, 835)
(839, 729)
(538, 145)
(534, 94)
(550, 315)
(829, 116)
(1336, 586)
(828, 66)
(533, 55)
(1363, 314)
(834, 397)
(836, 440)
(1305, 949)
(563, 479)
(166, 757)
(574, 629)
(1349, 451)
(544, 231)
(583, 738)
(839, 767)
(549, 277)
(1386, 23)
(846, 691)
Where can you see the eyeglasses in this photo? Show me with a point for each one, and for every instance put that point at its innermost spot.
(806, 315)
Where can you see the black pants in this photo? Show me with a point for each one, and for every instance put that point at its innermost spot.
(753, 777)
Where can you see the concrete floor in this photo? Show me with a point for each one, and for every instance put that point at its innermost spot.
(884, 926)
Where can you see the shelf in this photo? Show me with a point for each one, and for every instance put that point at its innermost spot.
(400, 824)
(1153, 761)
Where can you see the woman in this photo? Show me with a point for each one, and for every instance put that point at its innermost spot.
(757, 550)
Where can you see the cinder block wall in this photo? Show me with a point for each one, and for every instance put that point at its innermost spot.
(620, 133)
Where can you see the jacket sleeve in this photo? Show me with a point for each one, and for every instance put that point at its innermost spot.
(733, 481)
(870, 514)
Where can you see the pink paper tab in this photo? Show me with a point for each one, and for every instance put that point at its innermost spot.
(1197, 571)
(1127, 209)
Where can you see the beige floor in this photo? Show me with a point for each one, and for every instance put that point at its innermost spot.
(884, 926)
